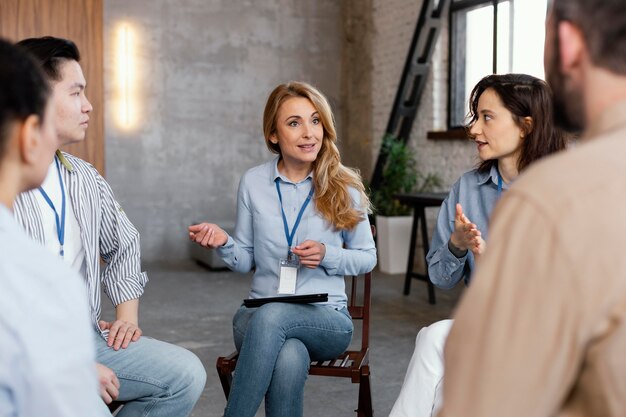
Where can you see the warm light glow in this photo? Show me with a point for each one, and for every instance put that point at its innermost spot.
(126, 80)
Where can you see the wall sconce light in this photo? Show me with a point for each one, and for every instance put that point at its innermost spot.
(126, 79)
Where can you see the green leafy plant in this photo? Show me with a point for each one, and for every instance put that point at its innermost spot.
(400, 175)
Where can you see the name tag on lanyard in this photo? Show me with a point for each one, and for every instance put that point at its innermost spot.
(288, 275)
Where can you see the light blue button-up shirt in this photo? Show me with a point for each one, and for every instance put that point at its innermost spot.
(260, 240)
(477, 192)
(47, 356)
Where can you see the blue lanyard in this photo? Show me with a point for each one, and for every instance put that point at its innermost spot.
(291, 235)
(61, 223)
(499, 184)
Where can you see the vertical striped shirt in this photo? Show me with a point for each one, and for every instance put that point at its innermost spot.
(106, 234)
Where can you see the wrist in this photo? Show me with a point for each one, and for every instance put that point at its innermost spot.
(128, 312)
(456, 251)
(134, 321)
(226, 241)
(457, 243)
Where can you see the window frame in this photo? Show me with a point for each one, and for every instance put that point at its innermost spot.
(460, 6)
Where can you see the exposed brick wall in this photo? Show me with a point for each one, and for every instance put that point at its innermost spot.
(377, 36)
(393, 26)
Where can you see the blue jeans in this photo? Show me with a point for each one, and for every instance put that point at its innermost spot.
(157, 379)
(276, 343)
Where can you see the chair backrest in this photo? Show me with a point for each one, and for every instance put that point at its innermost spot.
(360, 309)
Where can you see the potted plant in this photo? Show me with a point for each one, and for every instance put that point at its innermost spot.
(393, 220)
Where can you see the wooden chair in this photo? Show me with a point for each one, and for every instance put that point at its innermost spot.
(353, 364)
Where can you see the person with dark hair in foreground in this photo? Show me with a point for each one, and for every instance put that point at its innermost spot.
(542, 329)
(511, 123)
(75, 215)
(43, 372)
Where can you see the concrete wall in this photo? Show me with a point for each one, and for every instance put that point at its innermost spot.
(356, 98)
(206, 69)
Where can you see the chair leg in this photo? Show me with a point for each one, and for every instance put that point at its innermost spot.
(226, 378)
(431, 292)
(365, 394)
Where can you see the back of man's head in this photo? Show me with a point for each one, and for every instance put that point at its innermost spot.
(24, 91)
(51, 52)
(603, 23)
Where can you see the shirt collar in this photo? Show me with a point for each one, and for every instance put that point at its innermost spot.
(612, 118)
(493, 175)
(67, 164)
(276, 174)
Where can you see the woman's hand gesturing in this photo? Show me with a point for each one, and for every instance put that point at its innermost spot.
(208, 235)
(466, 235)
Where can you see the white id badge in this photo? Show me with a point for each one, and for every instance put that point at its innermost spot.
(288, 276)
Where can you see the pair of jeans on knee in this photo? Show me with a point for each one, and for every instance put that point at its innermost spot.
(157, 379)
(276, 343)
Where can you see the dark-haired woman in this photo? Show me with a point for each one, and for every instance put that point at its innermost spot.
(511, 124)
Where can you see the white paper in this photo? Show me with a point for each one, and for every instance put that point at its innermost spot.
(287, 283)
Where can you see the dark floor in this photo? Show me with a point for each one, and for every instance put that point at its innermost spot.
(191, 306)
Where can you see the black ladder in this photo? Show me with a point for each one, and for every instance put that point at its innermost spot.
(405, 108)
(413, 78)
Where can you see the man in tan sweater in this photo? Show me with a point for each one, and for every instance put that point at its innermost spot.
(542, 329)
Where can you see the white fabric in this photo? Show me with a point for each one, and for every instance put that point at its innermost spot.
(73, 248)
(47, 355)
(422, 391)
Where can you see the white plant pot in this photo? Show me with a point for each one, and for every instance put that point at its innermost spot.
(393, 239)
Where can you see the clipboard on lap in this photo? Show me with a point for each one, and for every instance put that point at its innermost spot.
(300, 298)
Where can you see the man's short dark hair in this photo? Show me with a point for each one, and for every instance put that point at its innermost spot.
(603, 23)
(24, 90)
(51, 52)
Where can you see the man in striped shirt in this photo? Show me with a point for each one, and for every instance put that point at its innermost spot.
(75, 215)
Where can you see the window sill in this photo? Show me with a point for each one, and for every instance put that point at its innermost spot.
(451, 134)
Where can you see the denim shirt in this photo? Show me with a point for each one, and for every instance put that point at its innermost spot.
(477, 192)
(260, 240)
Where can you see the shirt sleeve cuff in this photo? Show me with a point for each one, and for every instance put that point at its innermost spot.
(332, 259)
(128, 288)
(450, 261)
(227, 249)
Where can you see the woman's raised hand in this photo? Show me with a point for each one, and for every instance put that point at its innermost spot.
(208, 235)
(466, 235)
